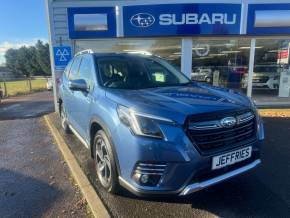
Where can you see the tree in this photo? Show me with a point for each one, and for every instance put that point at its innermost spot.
(33, 63)
(23, 62)
(29, 61)
(42, 52)
(11, 58)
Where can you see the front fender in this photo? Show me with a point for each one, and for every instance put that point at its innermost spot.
(106, 117)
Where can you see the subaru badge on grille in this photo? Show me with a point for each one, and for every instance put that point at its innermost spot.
(229, 122)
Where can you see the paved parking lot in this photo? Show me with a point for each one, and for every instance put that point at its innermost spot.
(25, 177)
(263, 192)
(34, 179)
(26, 106)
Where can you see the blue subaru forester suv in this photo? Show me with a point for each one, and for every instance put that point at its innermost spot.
(152, 130)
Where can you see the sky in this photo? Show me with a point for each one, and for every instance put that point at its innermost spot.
(22, 23)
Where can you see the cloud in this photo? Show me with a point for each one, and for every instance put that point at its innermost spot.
(5, 45)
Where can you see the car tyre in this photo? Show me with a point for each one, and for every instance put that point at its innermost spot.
(63, 119)
(105, 163)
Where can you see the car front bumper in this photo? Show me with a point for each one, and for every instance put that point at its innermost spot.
(190, 187)
(187, 170)
(205, 184)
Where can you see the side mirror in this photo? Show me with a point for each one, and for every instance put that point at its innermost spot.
(78, 85)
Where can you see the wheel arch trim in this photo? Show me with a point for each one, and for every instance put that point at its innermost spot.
(101, 123)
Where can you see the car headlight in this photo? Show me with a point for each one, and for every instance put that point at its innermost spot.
(260, 125)
(142, 124)
(253, 106)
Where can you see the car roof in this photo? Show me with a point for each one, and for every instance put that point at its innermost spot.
(116, 54)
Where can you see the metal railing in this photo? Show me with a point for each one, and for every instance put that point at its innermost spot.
(18, 86)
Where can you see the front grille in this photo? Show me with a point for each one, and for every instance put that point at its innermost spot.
(209, 136)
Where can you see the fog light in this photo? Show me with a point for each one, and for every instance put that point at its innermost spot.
(144, 179)
(148, 174)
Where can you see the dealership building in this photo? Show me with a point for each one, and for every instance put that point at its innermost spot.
(238, 44)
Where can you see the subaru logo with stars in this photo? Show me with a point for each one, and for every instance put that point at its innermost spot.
(142, 20)
(229, 122)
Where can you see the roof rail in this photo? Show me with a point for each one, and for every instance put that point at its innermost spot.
(138, 52)
(87, 51)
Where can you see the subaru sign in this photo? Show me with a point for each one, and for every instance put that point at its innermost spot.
(181, 19)
(142, 20)
(62, 55)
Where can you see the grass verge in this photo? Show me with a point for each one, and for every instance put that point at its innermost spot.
(21, 87)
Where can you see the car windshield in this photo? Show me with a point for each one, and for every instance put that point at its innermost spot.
(127, 72)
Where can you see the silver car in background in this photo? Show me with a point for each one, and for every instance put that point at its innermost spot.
(202, 74)
(265, 76)
(49, 84)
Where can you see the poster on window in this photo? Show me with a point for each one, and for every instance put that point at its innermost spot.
(283, 53)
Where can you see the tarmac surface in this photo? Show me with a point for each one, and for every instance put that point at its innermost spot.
(26, 106)
(34, 179)
(262, 192)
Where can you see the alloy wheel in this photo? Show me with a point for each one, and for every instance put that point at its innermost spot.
(103, 162)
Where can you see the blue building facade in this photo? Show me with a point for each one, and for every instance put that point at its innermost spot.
(239, 44)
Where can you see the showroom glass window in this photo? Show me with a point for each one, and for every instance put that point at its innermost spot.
(271, 78)
(221, 63)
